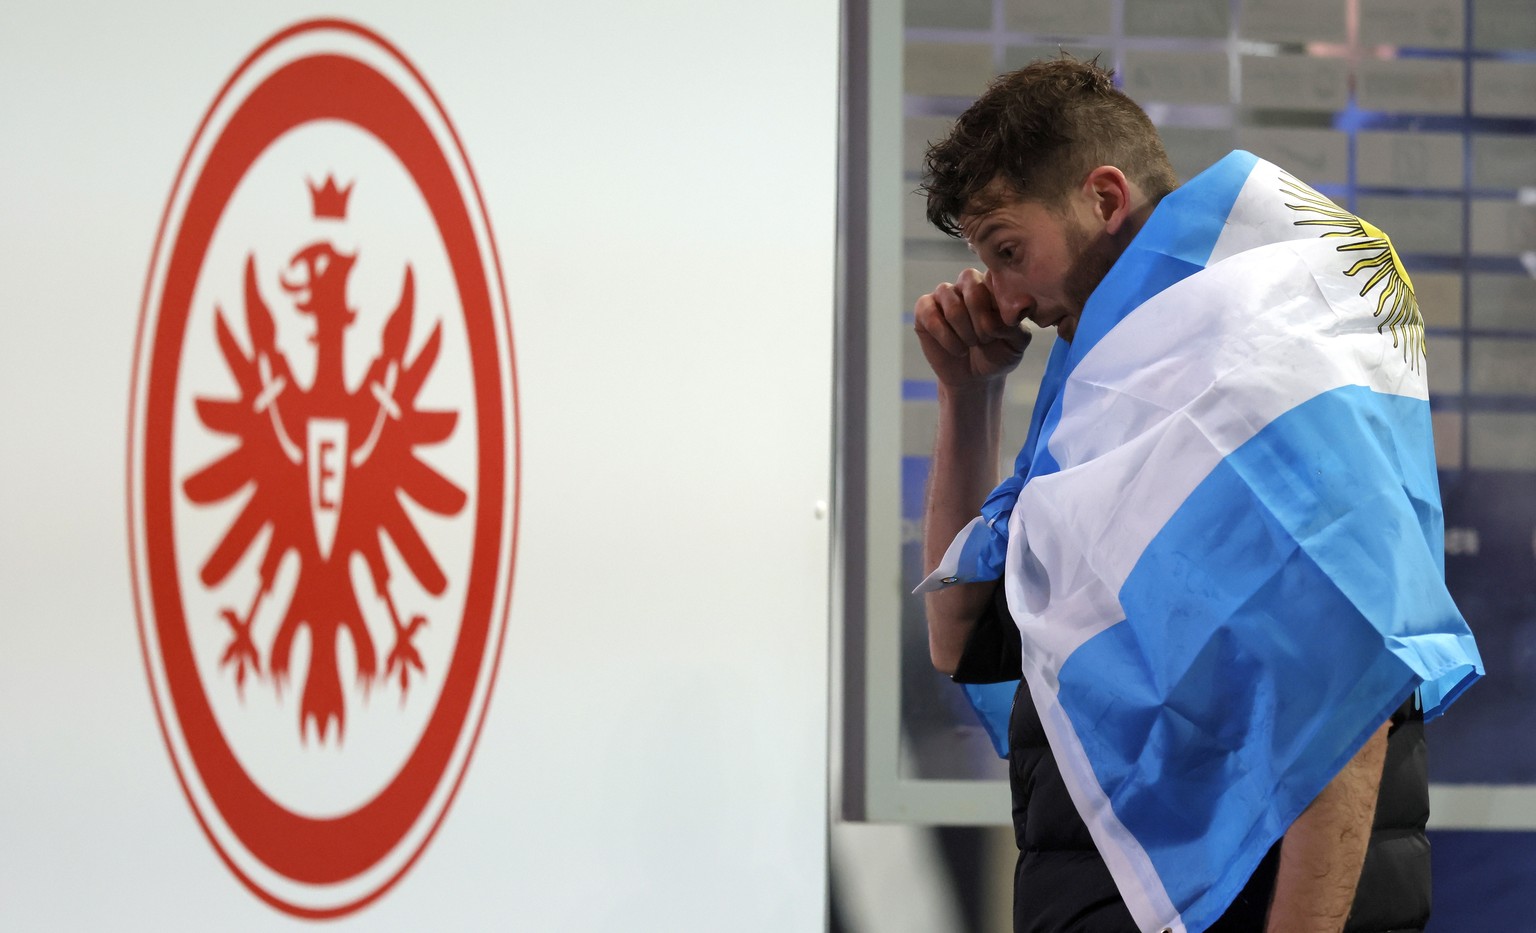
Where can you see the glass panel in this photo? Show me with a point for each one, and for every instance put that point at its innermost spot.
(1048, 19)
(1406, 112)
(1503, 161)
(949, 14)
(1430, 24)
(1411, 159)
(1193, 18)
(1504, 24)
(1503, 302)
(1504, 89)
(1420, 86)
(1294, 21)
(947, 69)
(1439, 295)
(1295, 82)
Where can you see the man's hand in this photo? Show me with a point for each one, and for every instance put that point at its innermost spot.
(971, 348)
(965, 337)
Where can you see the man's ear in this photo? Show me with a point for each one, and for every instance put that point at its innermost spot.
(1111, 196)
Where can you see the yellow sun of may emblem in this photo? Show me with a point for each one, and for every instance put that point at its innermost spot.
(1397, 309)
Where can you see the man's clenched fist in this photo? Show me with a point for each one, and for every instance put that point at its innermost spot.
(966, 339)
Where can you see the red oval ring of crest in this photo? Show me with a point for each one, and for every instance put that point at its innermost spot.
(308, 850)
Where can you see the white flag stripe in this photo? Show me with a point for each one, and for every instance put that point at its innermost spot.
(1258, 218)
(949, 564)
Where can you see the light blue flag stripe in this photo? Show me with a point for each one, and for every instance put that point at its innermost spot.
(1296, 540)
(993, 704)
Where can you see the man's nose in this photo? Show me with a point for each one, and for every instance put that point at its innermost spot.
(1013, 303)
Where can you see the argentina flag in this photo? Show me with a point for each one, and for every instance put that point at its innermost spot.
(1223, 542)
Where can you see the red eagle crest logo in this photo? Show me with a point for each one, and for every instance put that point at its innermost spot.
(323, 469)
(348, 454)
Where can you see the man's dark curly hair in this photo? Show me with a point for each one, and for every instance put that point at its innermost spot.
(1034, 135)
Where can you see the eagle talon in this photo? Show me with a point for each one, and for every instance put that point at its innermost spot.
(404, 654)
(242, 650)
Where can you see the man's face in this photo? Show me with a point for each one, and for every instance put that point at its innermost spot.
(1042, 261)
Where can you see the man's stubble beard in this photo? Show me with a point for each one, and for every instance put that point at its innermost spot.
(1092, 257)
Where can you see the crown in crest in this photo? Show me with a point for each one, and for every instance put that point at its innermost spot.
(330, 201)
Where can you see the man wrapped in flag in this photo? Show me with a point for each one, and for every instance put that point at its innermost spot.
(1219, 563)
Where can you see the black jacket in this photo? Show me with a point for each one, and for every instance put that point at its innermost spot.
(1061, 884)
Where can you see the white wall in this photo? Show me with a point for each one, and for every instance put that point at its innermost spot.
(660, 178)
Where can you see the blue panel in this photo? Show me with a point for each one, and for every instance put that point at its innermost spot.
(1483, 881)
(919, 390)
(1491, 568)
(914, 483)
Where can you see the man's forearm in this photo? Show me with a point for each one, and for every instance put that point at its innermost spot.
(964, 471)
(1323, 851)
